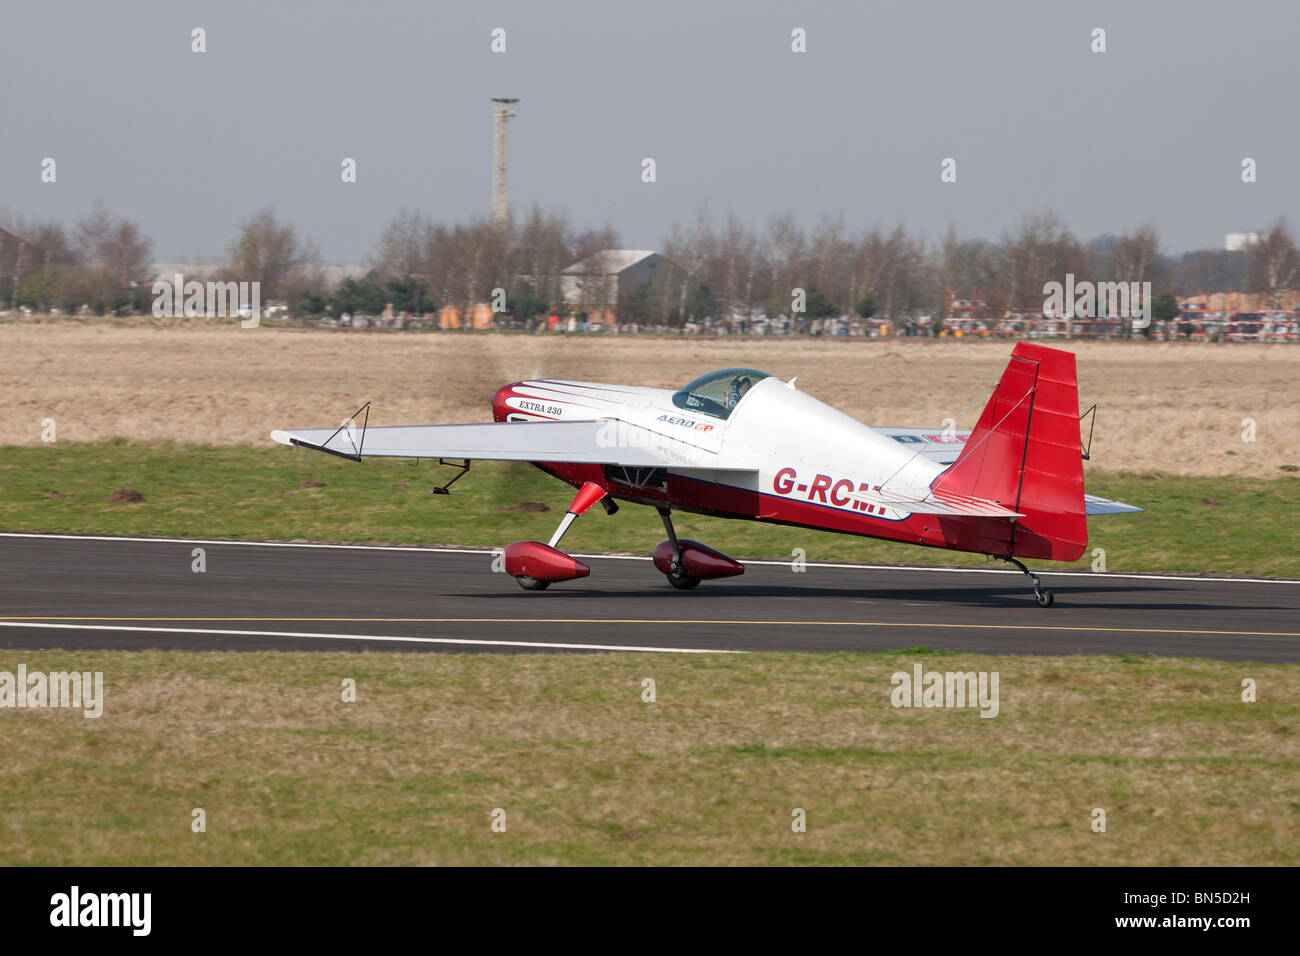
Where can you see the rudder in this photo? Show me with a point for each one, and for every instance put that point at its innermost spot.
(1024, 453)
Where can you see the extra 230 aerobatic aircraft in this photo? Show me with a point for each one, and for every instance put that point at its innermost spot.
(740, 443)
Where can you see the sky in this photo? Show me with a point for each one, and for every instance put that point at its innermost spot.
(1154, 130)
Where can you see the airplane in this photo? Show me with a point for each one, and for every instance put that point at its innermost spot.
(740, 443)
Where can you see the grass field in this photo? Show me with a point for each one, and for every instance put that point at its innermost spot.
(1215, 525)
(588, 773)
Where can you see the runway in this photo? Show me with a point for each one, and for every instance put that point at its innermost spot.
(133, 593)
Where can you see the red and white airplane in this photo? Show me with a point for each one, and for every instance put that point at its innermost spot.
(740, 443)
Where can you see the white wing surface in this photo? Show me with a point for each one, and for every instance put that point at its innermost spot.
(603, 442)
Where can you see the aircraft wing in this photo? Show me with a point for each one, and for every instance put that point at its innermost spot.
(934, 443)
(602, 442)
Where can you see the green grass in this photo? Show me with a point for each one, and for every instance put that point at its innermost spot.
(709, 773)
(1216, 525)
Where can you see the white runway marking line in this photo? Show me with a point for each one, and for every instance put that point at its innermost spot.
(377, 637)
(634, 557)
(36, 621)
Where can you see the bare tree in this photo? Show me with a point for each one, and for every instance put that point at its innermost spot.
(404, 246)
(1273, 264)
(829, 256)
(53, 246)
(1041, 250)
(786, 252)
(733, 273)
(306, 276)
(124, 251)
(1134, 258)
(971, 268)
(691, 248)
(539, 253)
(265, 251)
(92, 231)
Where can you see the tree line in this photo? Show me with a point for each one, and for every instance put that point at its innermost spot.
(732, 270)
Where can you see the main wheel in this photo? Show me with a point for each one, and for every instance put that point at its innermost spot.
(531, 584)
(682, 581)
(1044, 597)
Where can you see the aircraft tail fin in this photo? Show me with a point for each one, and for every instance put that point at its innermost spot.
(1025, 454)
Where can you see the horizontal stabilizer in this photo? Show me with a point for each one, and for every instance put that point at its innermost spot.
(936, 504)
(1094, 505)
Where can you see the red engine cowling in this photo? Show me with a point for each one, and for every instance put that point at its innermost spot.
(541, 561)
(701, 561)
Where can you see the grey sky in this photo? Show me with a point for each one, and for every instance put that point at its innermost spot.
(187, 144)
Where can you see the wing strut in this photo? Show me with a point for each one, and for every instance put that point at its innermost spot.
(348, 426)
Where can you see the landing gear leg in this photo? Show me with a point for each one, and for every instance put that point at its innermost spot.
(1042, 595)
(535, 565)
(587, 495)
(677, 576)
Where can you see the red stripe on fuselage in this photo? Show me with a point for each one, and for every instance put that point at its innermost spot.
(978, 535)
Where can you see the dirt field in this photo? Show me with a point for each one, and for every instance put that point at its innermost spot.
(1175, 408)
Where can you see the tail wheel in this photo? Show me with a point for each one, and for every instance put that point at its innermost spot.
(682, 581)
(531, 584)
(1044, 597)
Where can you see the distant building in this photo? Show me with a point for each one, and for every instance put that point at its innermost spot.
(596, 284)
(1236, 241)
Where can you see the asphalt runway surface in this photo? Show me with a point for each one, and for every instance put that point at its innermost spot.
(133, 593)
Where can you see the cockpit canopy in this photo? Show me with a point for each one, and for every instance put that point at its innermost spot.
(718, 393)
